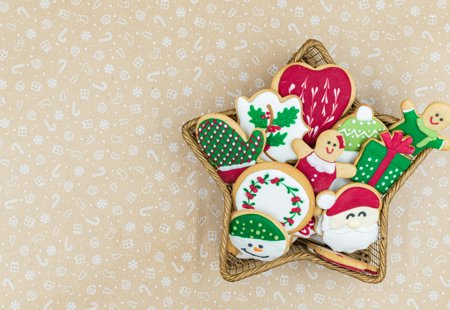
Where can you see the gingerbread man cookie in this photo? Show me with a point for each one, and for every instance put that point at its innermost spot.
(349, 222)
(281, 118)
(319, 164)
(424, 129)
(326, 92)
(277, 189)
(227, 146)
(255, 235)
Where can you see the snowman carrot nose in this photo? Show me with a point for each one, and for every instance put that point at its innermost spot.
(256, 249)
(341, 141)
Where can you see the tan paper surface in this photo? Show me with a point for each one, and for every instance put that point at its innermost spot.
(104, 207)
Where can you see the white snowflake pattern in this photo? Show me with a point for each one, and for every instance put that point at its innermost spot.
(398, 240)
(435, 56)
(51, 250)
(377, 84)
(44, 218)
(427, 191)
(314, 20)
(71, 306)
(108, 68)
(300, 288)
(85, 35)
(173, 147)
(186, 257)
(447, 27)
(15, 305)
(24, 169)
(243, 76)
(166, 42)
(180, 225)
(3, 84)
(78, 171)
(446, 239)
(400, 278)
(166, 281)
(433, 295)
(30, 33)
(5, 123)
(282, 4)
(159, 176)
(187, 91)
(52, 83)
(96, 260)
(102, 203)
(44, 4)
(38, 139)
(441, 162)
(180, 12)
(104, 124)
(137, 92)
(30, 275)
(140, 130)
(221, 43)
(133, 264)
(354, 51)
(58, 115)
(380, 5)
(414, 11)
(130, 226)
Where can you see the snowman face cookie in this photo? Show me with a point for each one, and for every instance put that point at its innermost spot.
(257, 236)
(281, 118)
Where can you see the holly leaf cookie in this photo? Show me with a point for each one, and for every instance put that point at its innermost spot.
(255, 235)
(227, 146)
(326, 93)
(281, 118)
(278, 190)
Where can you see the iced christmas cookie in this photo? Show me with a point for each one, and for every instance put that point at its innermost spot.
(342, 260)
(276, 189)
(319, 164)
(349, 222)
(255, 235)
(227, 146)
(424, 129)
(326, 92)
(380, 164)
(356, 129)
(281, 118)
(307, 231)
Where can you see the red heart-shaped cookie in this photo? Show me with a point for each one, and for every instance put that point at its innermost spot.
(326, 92)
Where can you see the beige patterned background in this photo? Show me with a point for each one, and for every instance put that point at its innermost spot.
(104, 207)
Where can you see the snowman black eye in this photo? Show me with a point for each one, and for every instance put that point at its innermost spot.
(329, 142)
(362, 213)
(349, 216)
(250, 245)
(260, 246)
(437, 114)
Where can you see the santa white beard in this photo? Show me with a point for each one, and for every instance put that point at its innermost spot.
(346, 239)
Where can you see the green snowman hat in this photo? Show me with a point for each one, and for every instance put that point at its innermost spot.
(255, 226)
(359, 127)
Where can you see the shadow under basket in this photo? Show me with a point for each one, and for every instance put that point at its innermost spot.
(233, 269)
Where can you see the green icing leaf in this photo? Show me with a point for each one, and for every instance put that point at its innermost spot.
(256, 117)
(287, 117)
(276, 139)
(255, 226)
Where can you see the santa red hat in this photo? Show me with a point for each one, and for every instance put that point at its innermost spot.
(350, 198)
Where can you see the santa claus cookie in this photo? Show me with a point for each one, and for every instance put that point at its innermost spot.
(276, 189)
(342, 260)
(356, 129)
(326, 92)
(424, 129)
(255, 235)
(349, 222)
(281, 118)
(227, 146)
(319, 164)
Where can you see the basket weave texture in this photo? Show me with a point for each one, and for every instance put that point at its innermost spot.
(233, 269)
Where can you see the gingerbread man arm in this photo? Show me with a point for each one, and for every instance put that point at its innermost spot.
(446, 145)
(407, 105)
(344, 170)
(301, 149)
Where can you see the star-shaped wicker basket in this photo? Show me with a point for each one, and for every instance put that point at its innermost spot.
(233, 269)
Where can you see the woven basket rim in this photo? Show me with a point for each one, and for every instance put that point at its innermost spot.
(188, 132)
